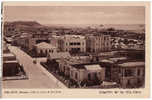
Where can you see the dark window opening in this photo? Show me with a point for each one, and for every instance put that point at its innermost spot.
(138, 72)
(129, 72)
(71, 43)
(39, 41)
(89, 76)
(76, 75)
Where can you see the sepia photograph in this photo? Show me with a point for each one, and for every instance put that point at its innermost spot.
(78, 46)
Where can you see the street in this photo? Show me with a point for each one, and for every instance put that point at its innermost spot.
(38, 77)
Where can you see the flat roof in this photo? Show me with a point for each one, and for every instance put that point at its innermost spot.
(107, 61)
(132, 64)
(93, 67)
(116, 59)
(59, 55)
(74, 36)
(45, 45)
(8, 55)
(12, 61)
(86, 66)
(77, 60)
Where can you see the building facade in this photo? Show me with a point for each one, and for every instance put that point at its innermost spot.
(132, 74)
(43, 49)
(55, 40)
(12, 70)
(72, 43)
(10, 29)
(98, 43)
(82, 72)
(87, 72)
(38, 38)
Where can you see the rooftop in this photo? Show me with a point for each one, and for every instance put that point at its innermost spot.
(8, 55)
(93, 67)
(107, 53)
(24, 35)
(9, 39)
(45, 45)
(87, 66)
(107, 61)
(116, 59)
(12, 61)
(132, 64)
(77, 60)
(74, 36)
(55, 36)
(59, 55)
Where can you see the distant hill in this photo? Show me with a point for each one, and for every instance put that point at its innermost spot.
(22, 26)
(27, 23)
(24, 23)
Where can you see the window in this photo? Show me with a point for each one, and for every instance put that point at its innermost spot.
(128, 83)
(72, 73)
(104, 38)
(128, 72)
(63, 68)
(45, 52)
(89, 76)
(71, 43)
(78, 49)
(78, 43)
(95, 75)
(41, 51)
(76, 75)
(138, 72)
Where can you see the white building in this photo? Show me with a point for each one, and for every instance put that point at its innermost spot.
(89, 72)
(72, 43)
(98, 43)
(55, 40)
(44, 48)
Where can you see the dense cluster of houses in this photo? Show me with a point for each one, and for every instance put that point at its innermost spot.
(86, 70)
(65, 43)
(123, 43)
(90, 71)
(73, 43)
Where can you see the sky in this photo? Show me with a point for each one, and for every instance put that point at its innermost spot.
(76, 14)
